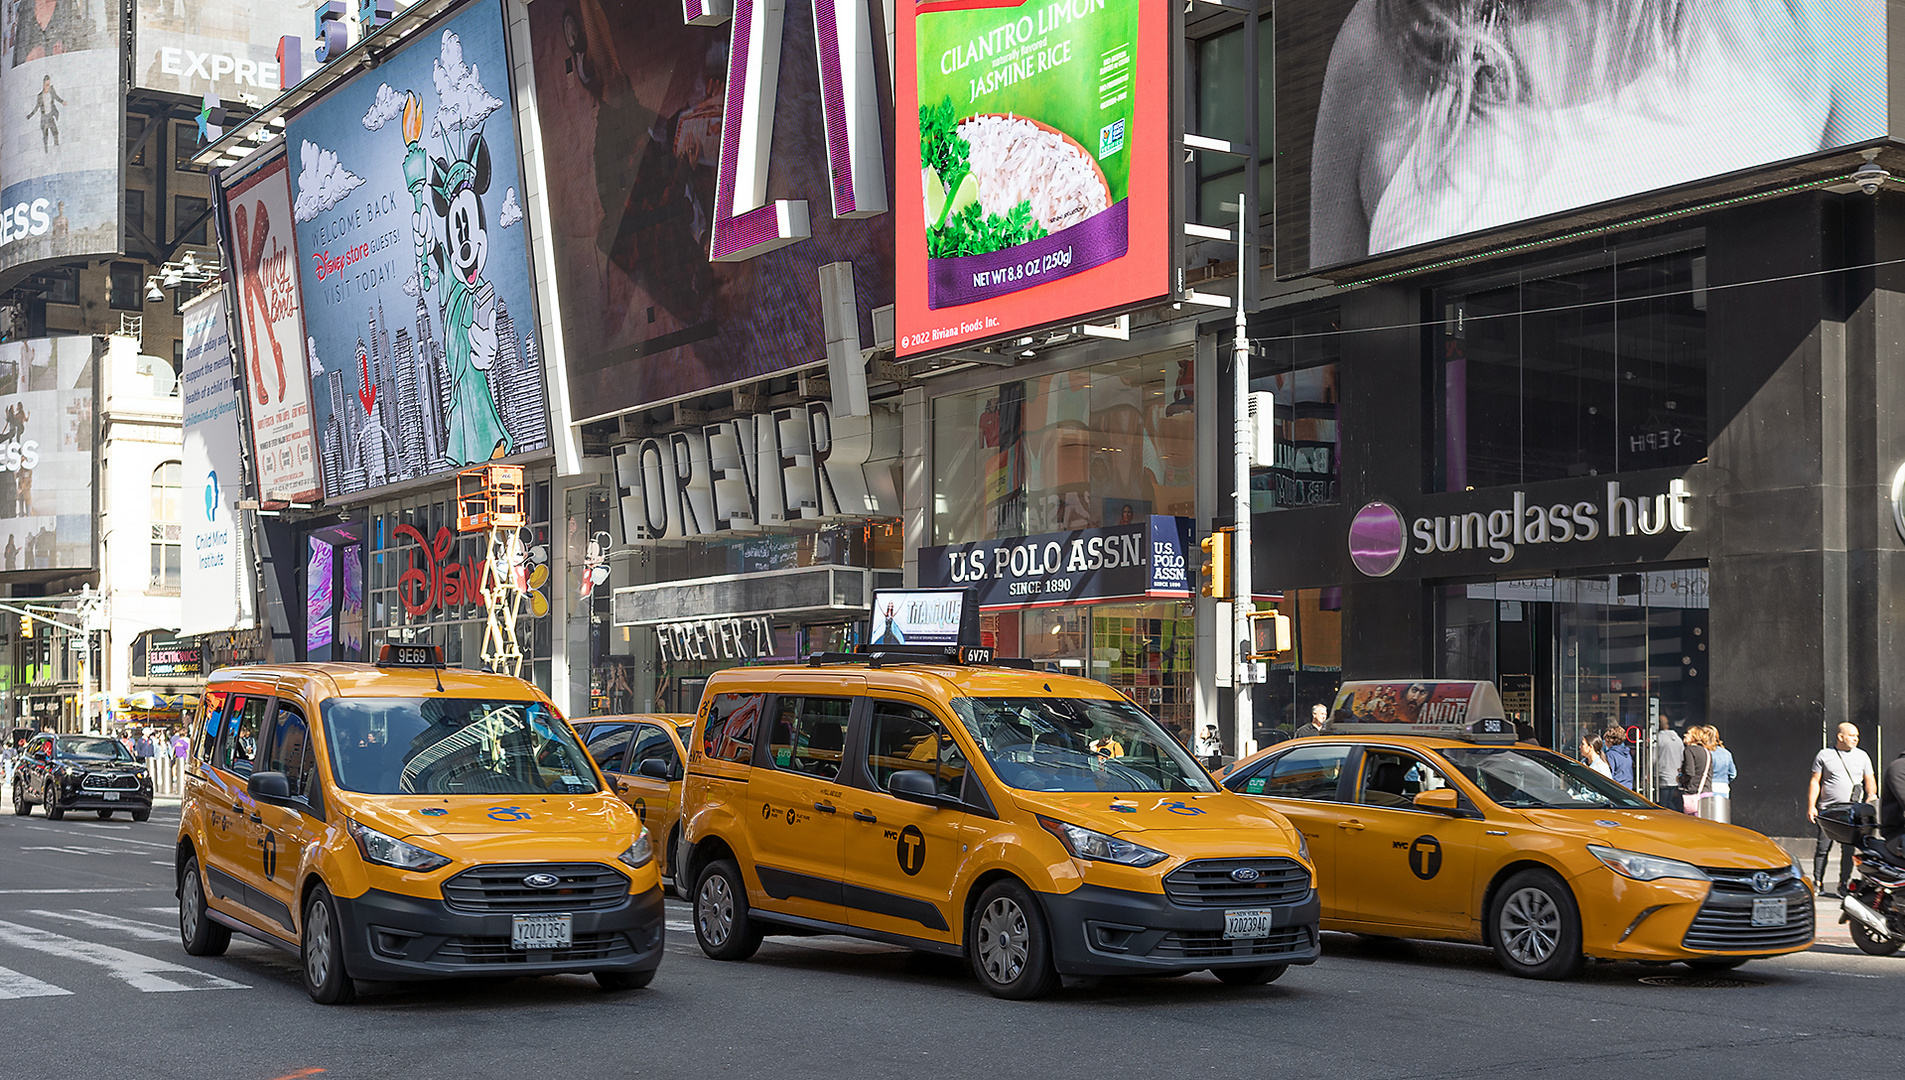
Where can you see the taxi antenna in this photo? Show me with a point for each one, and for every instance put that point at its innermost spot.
(436, 670)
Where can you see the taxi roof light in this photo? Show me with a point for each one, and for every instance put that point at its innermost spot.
(1466, 709)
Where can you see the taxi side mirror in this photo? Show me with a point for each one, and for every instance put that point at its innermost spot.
(1441, 800)
(915, 785)
(656, 769)
(268, 786)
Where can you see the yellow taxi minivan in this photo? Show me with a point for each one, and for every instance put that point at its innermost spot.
(1426, 819)
(1035, 824)
(644, 756)
(403, 821)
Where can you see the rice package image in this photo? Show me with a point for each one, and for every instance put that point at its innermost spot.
(1041, 157)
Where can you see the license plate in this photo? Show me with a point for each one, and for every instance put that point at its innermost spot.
(1769, 912)
(110, 796)
(1247, 923)
(541, 932)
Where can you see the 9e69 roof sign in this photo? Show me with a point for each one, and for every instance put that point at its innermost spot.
(1042, 158)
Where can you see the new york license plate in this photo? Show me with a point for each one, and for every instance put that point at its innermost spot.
(109, 796)
(1769, 911)
(1247, 923)
(542, 931)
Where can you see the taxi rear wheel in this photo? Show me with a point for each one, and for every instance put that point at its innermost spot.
(1250, 976)
(1535, 927)
(722, 925)
(322, 947)
(1010, 949)
(197, 932)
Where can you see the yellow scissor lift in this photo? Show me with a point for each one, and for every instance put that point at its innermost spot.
(492, 499)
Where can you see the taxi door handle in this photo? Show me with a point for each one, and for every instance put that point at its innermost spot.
(862, 815)
(256, 819)
(826, 808)
(1357, 825)
(240, 807)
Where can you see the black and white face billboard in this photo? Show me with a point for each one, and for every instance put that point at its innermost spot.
(1401, 123)
(46, 454)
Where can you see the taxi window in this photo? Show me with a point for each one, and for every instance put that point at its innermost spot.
(1306, 772)
(729, 734)
(1395, 779)
(290, 752)
(810, 735)
(205, 739)
(904, 737)
(447, 746)
(606, 744)
(651, 742)
(238, 742)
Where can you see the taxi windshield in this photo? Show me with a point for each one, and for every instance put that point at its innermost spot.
(1078, 744)
(92, 748)
(450, 746)
(1520, 777)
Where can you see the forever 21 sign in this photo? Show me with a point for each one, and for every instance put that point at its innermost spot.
(716, 639)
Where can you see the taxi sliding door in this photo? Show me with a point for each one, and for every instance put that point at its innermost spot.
(1403, 867)
(286, 829)
(233, 871)
(797, 824)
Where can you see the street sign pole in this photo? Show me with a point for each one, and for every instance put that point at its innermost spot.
(1244, 438)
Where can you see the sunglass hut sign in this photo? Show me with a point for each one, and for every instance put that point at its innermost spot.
(1379, 536)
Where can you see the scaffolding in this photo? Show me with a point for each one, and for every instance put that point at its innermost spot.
(492, 499)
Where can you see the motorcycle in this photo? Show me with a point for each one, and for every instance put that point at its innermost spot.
(1872, 904)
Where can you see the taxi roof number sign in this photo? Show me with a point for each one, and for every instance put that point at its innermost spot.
(410, 656)
(1464, 709)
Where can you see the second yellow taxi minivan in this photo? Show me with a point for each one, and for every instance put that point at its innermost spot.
(404, 821)
(1037, 825)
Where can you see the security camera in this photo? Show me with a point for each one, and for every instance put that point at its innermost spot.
(1870, 177)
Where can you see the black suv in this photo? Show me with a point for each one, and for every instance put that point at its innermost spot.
(81, 772)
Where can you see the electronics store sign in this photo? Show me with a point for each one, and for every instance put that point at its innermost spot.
(1141, 559)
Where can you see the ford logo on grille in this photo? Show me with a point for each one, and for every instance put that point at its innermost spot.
(1245, 873)
(1762, 882)
(542, 881)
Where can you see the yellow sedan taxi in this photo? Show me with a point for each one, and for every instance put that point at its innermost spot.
(642, 756)
(1425, 819)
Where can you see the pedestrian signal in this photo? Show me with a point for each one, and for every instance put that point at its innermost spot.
(1269, 634)
(1216, 568)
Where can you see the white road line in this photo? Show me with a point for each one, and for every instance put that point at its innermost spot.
(139, 972)
(144, 931)
(15, 985)
(78, 849)
(80, 892)
(115, 839)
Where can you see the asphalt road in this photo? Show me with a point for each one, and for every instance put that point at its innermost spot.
(93, 983)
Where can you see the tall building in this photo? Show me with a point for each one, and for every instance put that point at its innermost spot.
(529, 396)
(410, 419)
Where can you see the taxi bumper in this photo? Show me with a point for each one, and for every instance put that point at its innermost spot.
(1677, 919)
(1102, 931)
(392, 937)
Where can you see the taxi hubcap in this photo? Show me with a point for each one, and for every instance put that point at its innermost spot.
(714, 909)
(1002, 934)
(1530, 926)
(188, 907)
(317, 950)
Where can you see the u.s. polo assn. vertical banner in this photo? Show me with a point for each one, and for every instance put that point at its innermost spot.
(215, 573)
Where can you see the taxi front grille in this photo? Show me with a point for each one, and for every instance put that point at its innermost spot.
(1728, 880)
(1212, 944)
(1212, 883)
(1725, 922)
(584, 887)
(477, 951)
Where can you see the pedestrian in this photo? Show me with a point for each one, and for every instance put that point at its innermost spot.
(7, 758)
(1620, 759)
(1696, 770)
(1210, 749)
(1319, 718)
(1593, 755)
(1723, 768)
(1668, 754)
(1524, 731)
(1841, 773)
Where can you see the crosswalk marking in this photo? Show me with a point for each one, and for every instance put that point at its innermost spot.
(15, 985)
(79, 849)
(140, 972)
(144, 931)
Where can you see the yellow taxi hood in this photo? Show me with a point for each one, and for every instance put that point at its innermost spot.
(1668, 835)
(480, 819)
(1131, 813)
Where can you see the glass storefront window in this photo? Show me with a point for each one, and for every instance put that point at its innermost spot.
(1310, 673)
(1076, 450)
(1145, 651)
(1593, 366)
(1297, 362)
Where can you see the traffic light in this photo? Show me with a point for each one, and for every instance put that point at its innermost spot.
(26, 627)
(1217, 564)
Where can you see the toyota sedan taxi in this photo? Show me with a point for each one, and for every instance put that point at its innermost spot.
(1425, 819)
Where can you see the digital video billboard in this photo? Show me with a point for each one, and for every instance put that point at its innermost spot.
(61, 102)
(227, 47)
(1404, 122)
(1035, 156)
(631, 102)
(420, 320)
(46, 454)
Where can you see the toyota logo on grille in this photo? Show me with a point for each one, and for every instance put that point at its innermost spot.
(1245, 873)
(542, 881)
(1762, 882)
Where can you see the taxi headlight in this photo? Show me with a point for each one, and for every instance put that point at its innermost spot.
(1799, 873)
(1303, 845)
(386, 850)
(1641, 867)
(1086, 844)
(639, 853)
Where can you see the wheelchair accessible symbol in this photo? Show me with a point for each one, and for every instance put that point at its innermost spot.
(1179, 808)
(508, 813)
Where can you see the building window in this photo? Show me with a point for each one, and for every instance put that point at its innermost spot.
(62, 286)
(1221, 85)
(1297, 364)
(185, 211)
(126, 287)
(184, 145)
(165, 526)
(1593, 366)
(135, 212)
(135, 123)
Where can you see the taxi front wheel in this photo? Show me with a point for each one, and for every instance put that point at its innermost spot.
(1535, 927)
(1011, 951)
(722, 925)
(323, 952)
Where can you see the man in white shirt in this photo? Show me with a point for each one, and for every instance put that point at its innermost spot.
(1841, 773)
